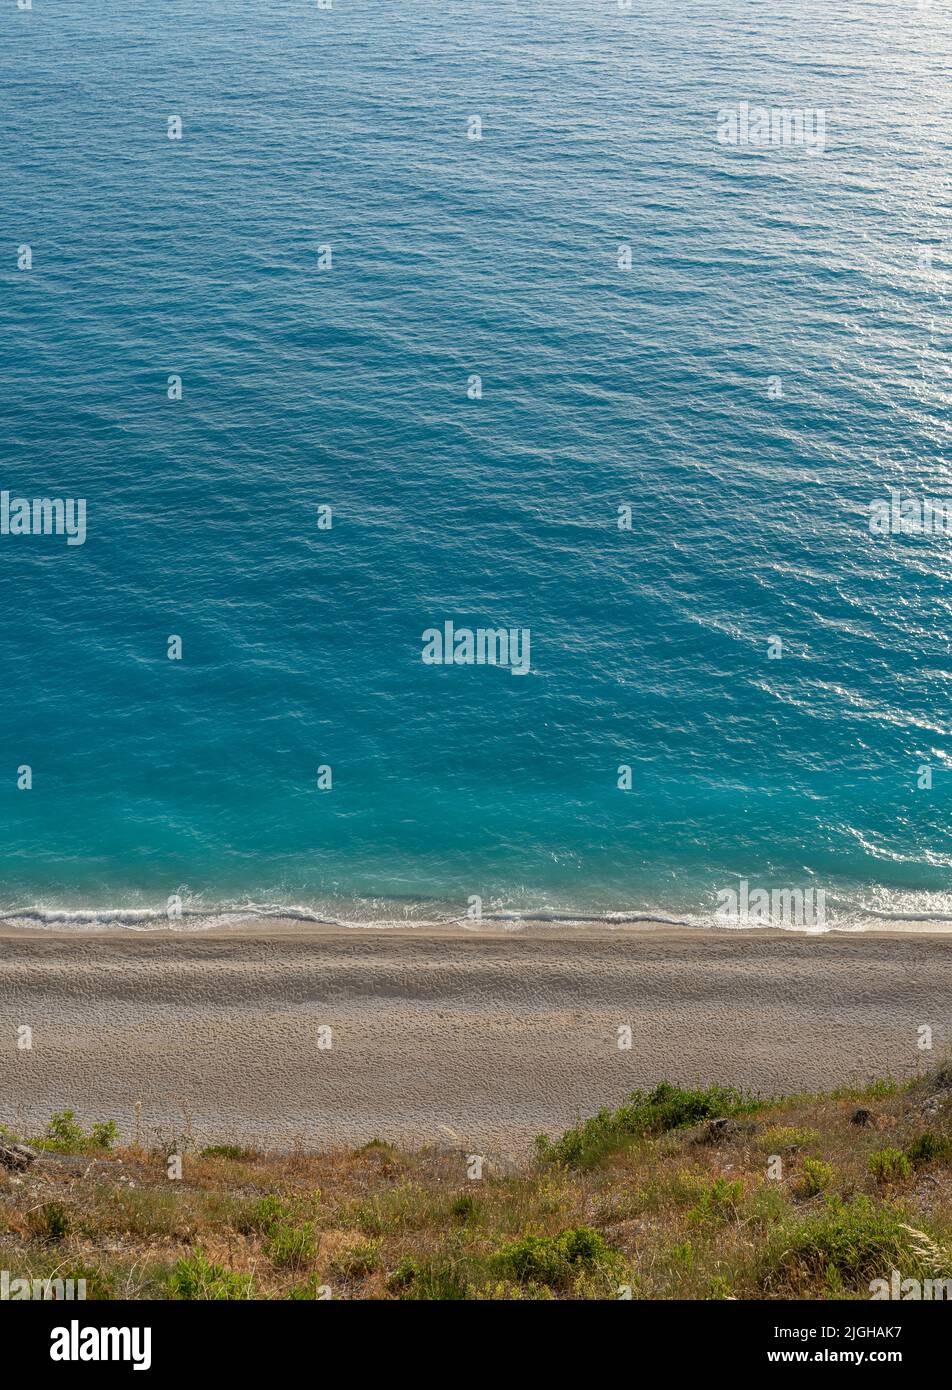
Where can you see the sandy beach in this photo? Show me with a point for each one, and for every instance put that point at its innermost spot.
(478, 1040)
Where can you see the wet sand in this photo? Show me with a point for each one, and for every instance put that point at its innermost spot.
(480, 1040)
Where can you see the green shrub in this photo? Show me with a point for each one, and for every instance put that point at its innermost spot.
(815, 1177)
(779, 1138)
(845, 1245)
(263, 1215)
(50, 1221)
(889, 1165)
(64, 1135)
(103, 1134)
(928, 1148)
(195, 1277)
(646, 1113)
(441, 1280)
(357, 1262)
(290, 1246)
(406, 1272)
(717, 1200)
(231, 1151)
(553, 1260)
(464, 1207)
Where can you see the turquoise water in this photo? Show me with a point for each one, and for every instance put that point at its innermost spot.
(347, 387)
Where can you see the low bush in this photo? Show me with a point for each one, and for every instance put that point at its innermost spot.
(815, 1177)
(553, 1260)
(195, 1277)
(846, 1245)
(889, 1165)
(654, 1112)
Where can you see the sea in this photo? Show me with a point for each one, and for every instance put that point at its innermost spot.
(614, 331)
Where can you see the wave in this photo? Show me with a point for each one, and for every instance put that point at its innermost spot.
(197, 918)
(851, 918)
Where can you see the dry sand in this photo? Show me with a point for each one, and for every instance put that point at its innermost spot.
(491, 1037)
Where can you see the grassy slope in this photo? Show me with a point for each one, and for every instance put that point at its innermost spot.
(645, 1198)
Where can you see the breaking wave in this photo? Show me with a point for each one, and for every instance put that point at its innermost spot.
(383, 916)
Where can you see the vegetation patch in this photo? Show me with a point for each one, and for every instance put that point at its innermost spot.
(66, 1136)
(815, 1177)
(786, 1139)
(889, 1165)
(665, 1108)
(553, 1260)
(844, 1247)
(195, 1277)
(674, 1195)
(928, 1148)
(233, 1152)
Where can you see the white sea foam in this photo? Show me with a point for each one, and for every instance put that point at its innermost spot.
(856, 919)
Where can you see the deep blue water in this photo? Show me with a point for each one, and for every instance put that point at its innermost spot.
(348, 387)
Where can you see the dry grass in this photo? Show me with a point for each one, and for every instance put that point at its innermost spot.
(787, 1199)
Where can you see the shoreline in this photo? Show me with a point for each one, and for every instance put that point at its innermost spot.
(482, 1040)
(291, 929)
(113, 923)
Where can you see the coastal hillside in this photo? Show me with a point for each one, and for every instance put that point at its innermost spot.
(697, 1194)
